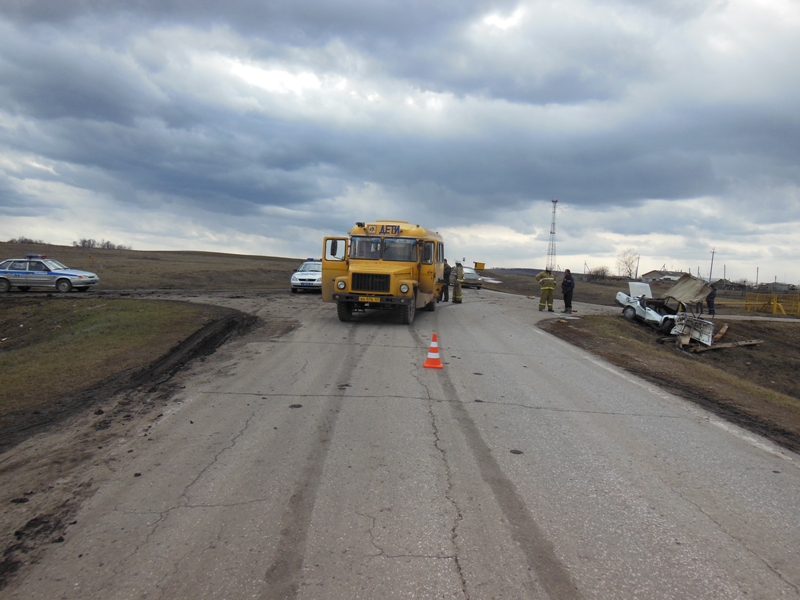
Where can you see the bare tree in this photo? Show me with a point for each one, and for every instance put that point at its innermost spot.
(103, 244)
(598, 273)
(24, 240)
(626, 262)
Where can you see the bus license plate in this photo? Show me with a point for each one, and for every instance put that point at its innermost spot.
(368, 299)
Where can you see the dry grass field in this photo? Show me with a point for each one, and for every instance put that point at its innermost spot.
(186, 270)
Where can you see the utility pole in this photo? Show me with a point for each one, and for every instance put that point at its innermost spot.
(711, 270)
(551, 250)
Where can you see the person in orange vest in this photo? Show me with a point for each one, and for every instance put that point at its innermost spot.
(548, 283)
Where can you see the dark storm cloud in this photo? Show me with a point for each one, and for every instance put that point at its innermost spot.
(48, 82)
(611, 106)
(418, 41)
(288, 20)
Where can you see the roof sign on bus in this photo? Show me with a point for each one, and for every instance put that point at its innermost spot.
(383, 229)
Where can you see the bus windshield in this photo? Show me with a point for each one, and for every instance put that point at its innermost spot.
(403, 249)
(373, 248)
(365, 247)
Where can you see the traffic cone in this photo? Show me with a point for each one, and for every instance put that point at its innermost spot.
(433, 362)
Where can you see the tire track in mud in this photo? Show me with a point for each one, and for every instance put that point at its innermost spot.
(18, 427)
(25, 544)
(284, 575)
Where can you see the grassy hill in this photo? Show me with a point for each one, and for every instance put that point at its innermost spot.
(169, 270)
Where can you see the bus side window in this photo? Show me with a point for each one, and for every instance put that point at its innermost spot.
(427, 252)
(440, 254)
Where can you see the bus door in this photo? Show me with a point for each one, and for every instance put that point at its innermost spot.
(334, 264)
(427, 268)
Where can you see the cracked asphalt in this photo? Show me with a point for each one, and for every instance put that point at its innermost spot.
(316, 459)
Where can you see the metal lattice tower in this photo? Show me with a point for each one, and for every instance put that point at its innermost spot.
(551, 249)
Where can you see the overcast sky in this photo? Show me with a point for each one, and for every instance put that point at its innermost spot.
(259, 126)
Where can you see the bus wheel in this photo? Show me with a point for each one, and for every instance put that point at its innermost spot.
(344, 310)
(408, 311)
(431, 306)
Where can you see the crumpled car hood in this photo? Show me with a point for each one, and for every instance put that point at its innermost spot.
(689, 290)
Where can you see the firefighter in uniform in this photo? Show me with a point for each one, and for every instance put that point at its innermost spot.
(457, 284)
(548, 283)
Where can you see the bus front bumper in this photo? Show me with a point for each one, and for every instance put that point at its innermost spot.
(373, 299)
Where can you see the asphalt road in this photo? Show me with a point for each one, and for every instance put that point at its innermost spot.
(328, 463)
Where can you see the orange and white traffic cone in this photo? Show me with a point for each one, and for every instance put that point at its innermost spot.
(433, 362)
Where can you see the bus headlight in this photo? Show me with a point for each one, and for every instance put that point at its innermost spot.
(404, 288)
(340, 284)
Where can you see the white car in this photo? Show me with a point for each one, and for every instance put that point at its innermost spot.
(640, 305)
(308, 276)
(669, 314)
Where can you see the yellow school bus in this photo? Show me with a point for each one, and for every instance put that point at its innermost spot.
(383, 265)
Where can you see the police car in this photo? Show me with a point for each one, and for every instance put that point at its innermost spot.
(36, 271)
(308, 276)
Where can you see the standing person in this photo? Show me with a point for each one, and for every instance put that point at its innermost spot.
(567, 287)
(548, 283)
(710, 301)
(446, 287)
(457, 284)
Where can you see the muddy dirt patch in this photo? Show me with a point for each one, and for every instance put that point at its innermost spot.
(46, 478)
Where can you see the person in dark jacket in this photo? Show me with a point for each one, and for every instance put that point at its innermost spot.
(710, 301)
(446, 286)
(567, 287)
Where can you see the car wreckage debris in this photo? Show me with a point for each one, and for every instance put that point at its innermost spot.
(720, 333)
(728, 345)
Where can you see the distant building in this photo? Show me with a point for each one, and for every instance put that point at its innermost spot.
(775, 288)
(652, 276)
(725, 285)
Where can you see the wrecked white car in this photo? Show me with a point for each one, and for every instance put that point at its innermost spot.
(672, 314)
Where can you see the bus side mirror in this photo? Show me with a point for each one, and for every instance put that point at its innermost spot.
(335, 250)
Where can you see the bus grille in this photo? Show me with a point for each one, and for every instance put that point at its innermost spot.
(369, 282)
